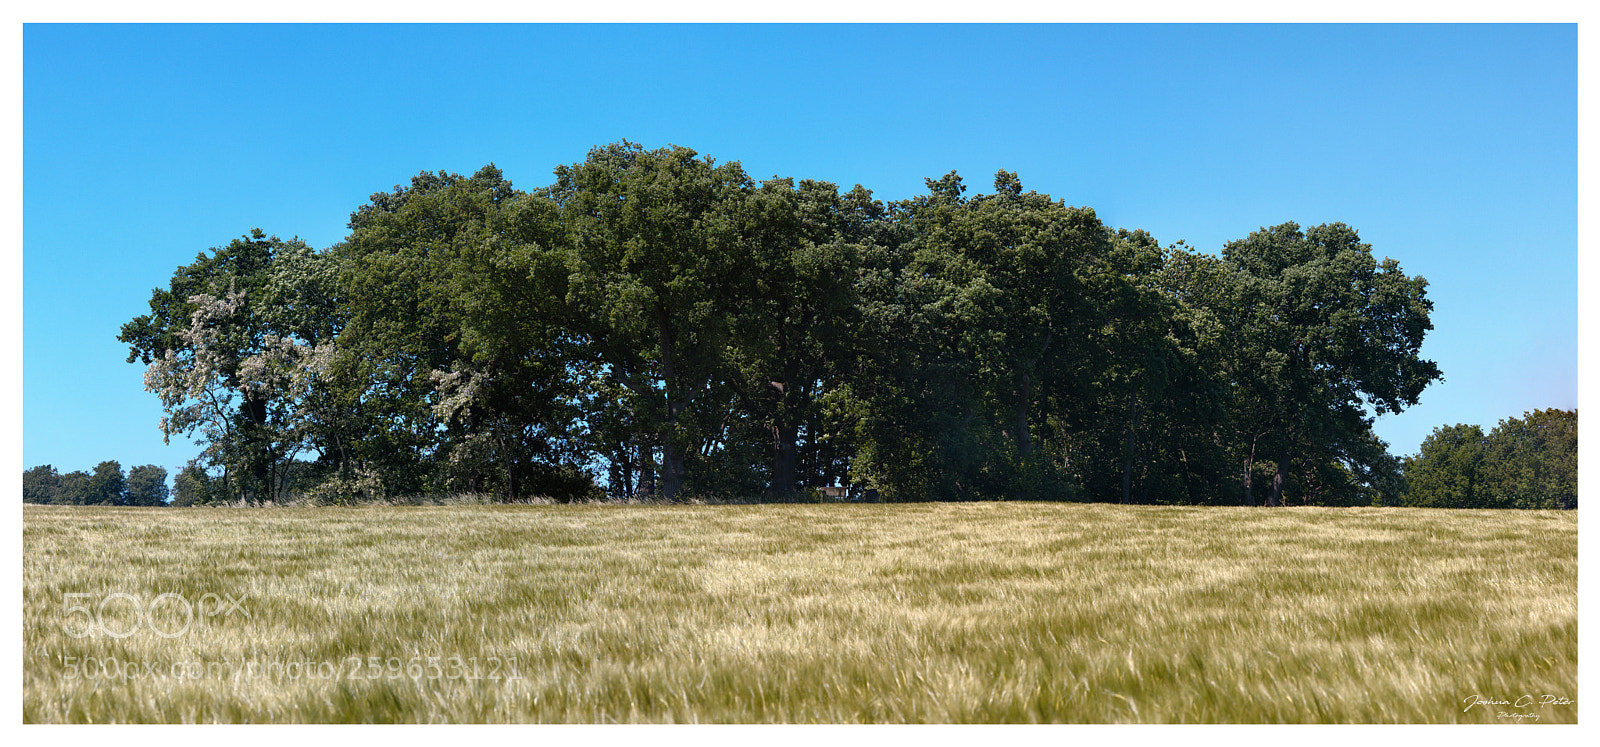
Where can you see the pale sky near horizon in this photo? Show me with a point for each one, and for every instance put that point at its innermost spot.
(1452, 149)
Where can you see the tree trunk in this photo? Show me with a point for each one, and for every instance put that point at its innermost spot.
(788, 397)
(647, 472)
(622, 472)
(784, 461)
(671, 470)
(1275, 498)
(1282, 473)
(511, 475)
(344, 456)
(1188, 492)
(1248, 499)
(1025, 398)
(1024, 441)
(1128, 451)
(672, 465)
(260, 469)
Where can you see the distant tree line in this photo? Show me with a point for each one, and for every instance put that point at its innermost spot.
(656, 322)
(106, 486)
(1527, 462)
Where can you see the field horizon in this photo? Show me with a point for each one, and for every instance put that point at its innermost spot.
(800, 613)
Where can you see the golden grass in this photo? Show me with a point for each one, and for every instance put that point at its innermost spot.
(994, 612)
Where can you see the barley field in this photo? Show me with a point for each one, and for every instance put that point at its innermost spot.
(995, 612)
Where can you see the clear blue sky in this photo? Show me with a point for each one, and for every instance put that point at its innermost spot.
(1452, 149)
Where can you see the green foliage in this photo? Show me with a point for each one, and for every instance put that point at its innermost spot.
(193, 487)
(659, 270)
(75, 490)
(1315, 332)
(146, 486)
(793, 336)
(453, 291)
(1447, 472)
(41, 484)
(230, 349)
(1530, 462)
(106, 485)
(656, 322)
(978, 316)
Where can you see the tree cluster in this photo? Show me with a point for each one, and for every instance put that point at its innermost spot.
(1527, 462)
(106, 486)
(656, 322)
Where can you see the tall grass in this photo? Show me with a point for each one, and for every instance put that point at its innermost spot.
(992, 612)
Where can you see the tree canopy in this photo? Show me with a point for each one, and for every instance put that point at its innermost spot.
(656, 322)
(107, 485)
(1527, 462)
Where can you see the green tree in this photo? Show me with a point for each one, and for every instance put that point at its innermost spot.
(106, 485)
(41, 484)
(793, 336)
(1199, 420)
(613, 433)
(1145, 411)
(1039, 270)
(513, 396)
(1210, 294)
(1532, 461)
(657, 273)
(192, 487)
(75, 489)
(1358, 472)
(454, 358)
(398, 331)
(221, 365)
(982, 320)
(146, 486)
(1447, 472)
(1320, 332)
(914, 393)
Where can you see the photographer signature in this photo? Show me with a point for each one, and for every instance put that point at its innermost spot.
(1523, 703)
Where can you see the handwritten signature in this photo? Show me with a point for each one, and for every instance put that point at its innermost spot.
(1524, 702)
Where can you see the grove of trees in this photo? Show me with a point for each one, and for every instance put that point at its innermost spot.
(657, 322)
(1527, 462)
(106, 486)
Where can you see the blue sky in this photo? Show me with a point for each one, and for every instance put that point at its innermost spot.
(1452, 149)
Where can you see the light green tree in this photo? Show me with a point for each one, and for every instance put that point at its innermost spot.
(224, 368)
